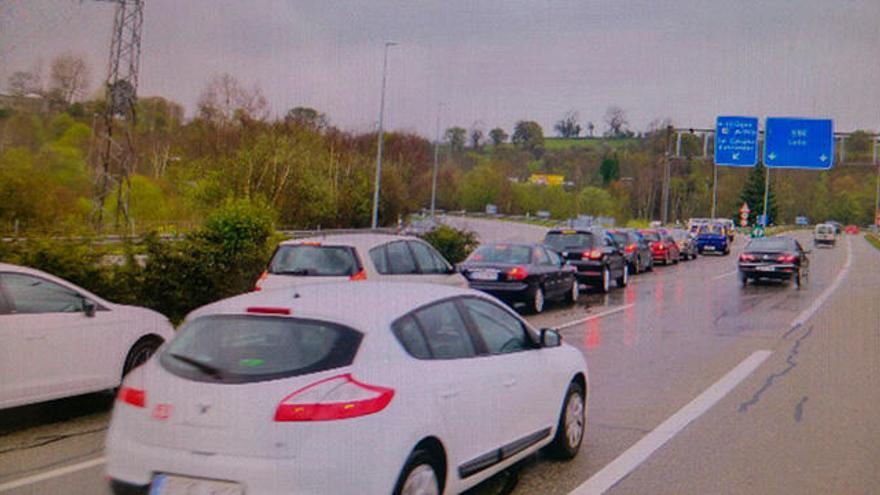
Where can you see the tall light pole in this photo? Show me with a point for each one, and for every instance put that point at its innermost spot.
(375, 221)
(436, 159)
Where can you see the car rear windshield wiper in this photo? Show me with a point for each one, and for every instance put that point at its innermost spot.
(201, 365)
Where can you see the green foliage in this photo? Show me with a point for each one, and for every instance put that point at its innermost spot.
(873, 240)
(609, 170)
(596, 201)
(753, 195)
(481, 186)
(455, 245)
(456, 136)
(529, 135)
(498, 136)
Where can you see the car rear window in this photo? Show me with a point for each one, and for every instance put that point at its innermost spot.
(771, 244)
(564, 241)
(502, 253)
(651, 236)
(824, 229)
(621, 237)
(317, 261)
(244, 349)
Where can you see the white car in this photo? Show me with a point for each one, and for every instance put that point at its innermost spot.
(824, 234)
(367, 388)
(59, 340)
(336, 258)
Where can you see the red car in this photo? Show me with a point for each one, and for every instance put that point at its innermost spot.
(851, 229)
(664, 249)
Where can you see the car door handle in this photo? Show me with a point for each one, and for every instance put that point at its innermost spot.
(449, 394)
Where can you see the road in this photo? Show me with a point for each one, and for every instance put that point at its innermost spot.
(697, 386)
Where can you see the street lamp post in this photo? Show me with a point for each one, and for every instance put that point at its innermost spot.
(375, 220)
(436, 159)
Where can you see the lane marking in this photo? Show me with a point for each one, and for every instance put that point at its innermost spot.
(52, 474)
(624, 464)
(719, 277)
(595, 316)
(808, 313)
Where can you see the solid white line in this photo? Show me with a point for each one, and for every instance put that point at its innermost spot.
(806, 314)
(719, 277)
(620, 467)
(595, 316)
(52, 474)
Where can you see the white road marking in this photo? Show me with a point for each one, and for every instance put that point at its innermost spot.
(719, 277)
(52, 474)
(808, 313)
(620, 467)
(595, 316)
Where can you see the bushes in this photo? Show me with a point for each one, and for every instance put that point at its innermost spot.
(455, 245)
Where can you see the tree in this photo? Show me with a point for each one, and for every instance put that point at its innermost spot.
(455, 136)
(753, 195)
(498, 136)
(476, 138)
(22, 83)
(69, 77)
(567, 126)
(528, 134)
(591, 127)
(596, 201)
(615, 119)
(224, 99)
(609, 170)
(306, 116)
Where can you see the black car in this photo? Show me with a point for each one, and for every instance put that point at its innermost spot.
(636, 250)
(520, 273)
(596, 256)
(687, 244)
(774, 258)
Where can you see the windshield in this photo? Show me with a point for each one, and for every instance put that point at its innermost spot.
(318, 261)
(241, 349)
(563, 241)
(502, 253)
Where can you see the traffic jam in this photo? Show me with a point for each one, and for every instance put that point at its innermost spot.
(371, 344)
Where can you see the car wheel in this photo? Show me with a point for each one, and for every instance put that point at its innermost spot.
(650, 267)
(140, 353)
(624, 278)
(419, 476)
(572, 424)
(574, 293)
(675, 260)
(743, 279)
(637, 266)
(538, 300)
(606, 280)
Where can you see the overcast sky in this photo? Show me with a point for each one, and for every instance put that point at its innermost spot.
(490, 62)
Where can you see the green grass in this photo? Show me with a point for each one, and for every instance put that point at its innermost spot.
(589, 143)
(873, 240)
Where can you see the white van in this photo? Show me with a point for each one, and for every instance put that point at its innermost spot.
(825, 234)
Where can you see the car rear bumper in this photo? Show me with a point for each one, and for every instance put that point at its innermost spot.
(778, 271)
(506, 291)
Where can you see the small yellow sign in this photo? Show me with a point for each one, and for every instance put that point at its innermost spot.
(547, 179)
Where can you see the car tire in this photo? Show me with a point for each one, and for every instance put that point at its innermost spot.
(574, 293)
(538, 301)
(140, 352)
(571, 426)
(637, 266)
(650, 267)
(623, 279)
(419, 475)
(605, 281)
(743, 279)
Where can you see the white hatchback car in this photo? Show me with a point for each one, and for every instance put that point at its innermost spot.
(59, 340)
(336, 258)
(365, 388)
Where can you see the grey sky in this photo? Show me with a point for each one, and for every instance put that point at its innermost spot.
(493, 62)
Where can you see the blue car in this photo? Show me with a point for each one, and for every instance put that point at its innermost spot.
(713, 239)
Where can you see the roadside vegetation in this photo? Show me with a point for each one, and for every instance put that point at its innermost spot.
(873, 240)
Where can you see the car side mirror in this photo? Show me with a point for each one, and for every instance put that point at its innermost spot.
(89, 308)
(550, 338)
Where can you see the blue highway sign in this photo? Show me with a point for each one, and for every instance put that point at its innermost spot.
(799, 143)
(736, 141)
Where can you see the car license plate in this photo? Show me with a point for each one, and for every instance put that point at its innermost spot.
(166, 484)
(709, 248)
(484, 275)
(764, 268)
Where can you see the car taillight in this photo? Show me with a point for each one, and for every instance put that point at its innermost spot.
(631, 248)
(361, 275)
(660, 246)
(594, 254)
(259, 285)
(517, 273)
(267, 310)
(132, 396)
(339, 397)
(746, 257)
(787, 258)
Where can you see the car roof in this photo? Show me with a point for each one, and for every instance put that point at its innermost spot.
(590, 231)
(361, 241)
(361, 305)
(518, 244)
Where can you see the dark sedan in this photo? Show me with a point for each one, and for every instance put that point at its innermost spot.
(774, 258)
(520, 273)
(595, 255)
(636, 248)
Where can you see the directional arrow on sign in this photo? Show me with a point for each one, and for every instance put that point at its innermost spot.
(735, 156)
(772, 156)
(823, 157)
